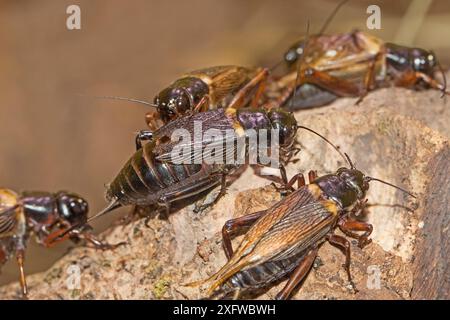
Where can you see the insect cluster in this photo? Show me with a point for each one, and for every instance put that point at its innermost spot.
(282, 241)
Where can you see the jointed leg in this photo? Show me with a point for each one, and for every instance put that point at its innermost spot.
(312, 175)
(335, 85)
(54, 237)
(222, 192)
(348, 226)
(20, 256)
(257, 81)
(369, 78)
(235, 224)
(203, 104)
(432, 82)
(98, 244)
(3, 257)
(298, 275)
(300, 179)
(164, 203)
(344, 245)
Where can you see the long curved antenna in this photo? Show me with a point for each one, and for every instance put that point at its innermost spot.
(299, 66)
(276, 65)
(123, 99)
(343, 155)
(331, 16)
(392, 185)
(352, 166)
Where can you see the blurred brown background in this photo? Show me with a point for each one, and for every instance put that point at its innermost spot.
(52, 139)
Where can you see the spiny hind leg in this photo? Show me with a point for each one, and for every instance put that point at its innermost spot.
(233, 225)
(333, 84)
(298, 275)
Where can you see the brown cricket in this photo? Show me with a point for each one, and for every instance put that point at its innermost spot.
(351, 65)
(284, 240)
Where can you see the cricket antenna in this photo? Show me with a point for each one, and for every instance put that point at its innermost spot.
(276, 65)
(392, 185)
(299, 65)
(343, 155)
(352, 166)
(123, 99)
(331, 16)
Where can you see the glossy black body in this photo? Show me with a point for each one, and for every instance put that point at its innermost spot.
(180, 97)
(150, 177)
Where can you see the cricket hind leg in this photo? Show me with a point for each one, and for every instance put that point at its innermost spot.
(337, 86)
(298, 275)
(233, 225)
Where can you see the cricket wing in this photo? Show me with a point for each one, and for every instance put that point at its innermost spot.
(9, 207)
(8, 220)
(211, 129)
(292, 225)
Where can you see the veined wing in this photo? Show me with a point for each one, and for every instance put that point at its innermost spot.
(344, 51)
(217, 147)
(8, 220)
(292, 225)
(213, 130)
(8, 211)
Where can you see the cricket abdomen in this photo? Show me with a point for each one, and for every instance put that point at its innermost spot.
(142, 180)
(263, 275)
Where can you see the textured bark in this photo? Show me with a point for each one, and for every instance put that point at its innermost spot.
(388, 136)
